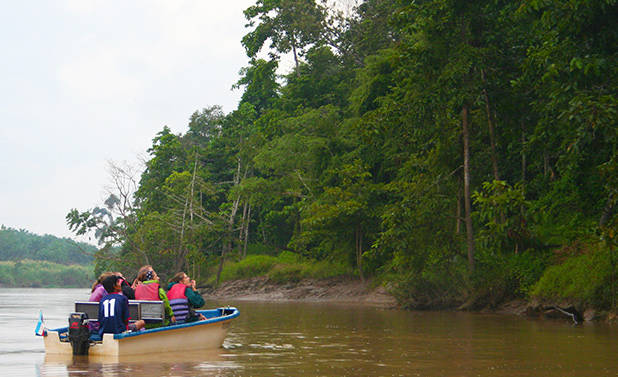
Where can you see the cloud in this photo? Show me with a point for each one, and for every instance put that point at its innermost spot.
(98, 76)
(91, 81)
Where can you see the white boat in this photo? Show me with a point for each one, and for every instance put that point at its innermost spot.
(200, 335)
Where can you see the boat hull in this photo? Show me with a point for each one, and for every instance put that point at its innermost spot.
(207, 334)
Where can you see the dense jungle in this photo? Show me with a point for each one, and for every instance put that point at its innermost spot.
(460, 154)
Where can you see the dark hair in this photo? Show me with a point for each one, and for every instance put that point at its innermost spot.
(109, 283)
(178, 277)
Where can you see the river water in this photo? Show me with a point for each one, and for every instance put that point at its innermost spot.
(316, 339)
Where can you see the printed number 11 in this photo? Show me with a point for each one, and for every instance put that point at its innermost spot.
(108, 307)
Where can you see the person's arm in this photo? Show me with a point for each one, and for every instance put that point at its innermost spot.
(166, 303)
(128, 291)
(125, 314)
(195, 298)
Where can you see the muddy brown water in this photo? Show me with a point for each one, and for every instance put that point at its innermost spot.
(318, 339)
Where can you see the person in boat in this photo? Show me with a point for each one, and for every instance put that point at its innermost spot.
(114, 309)
(126, 288)
(184, 297)
(98, 290)
(147, 288)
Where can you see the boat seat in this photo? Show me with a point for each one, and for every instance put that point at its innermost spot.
(150, 311)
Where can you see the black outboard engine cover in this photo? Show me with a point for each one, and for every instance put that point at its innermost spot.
(79, 335)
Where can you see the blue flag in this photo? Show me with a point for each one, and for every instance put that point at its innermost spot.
(40, 329)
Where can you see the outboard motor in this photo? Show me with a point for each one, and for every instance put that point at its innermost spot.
(79, 334)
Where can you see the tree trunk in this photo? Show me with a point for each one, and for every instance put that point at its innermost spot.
(492, 139)
(612, 260)
(244, 247)
(359, 252)
(458, 214)
(220, 268)
(227, 244)
(181, 256)
(241, 232)
(264, 235)
(523, 153)
(490, 125)
(523, 169)
(467, 204)
(295, 59)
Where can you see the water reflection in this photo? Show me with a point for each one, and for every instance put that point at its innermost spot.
(312, 339)
(189, 363)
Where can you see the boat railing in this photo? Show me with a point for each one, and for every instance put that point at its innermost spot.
(150, 311)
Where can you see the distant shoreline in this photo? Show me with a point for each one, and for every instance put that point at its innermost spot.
(43, 287)
(28, 273)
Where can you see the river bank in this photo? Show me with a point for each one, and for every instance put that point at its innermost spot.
(335, 290)
(348, 291)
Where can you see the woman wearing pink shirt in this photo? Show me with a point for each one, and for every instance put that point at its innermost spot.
(98, 290)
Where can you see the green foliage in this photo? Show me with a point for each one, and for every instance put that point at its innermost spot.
(286, 267)
(319, 82)
(16, 245)
(168, 156)
(260, 84)
(439, 283)
(289, 25)
(42, 274)
(286, 273)
(500, 277)
(251, 266)
(586, 280)
(326, 269)
(502, 212)
(354, 160)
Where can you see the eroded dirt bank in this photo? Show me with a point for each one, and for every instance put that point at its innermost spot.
(337, 290)
(346, 291)
(330, 290)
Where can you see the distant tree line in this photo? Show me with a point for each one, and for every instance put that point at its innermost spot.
(16, 245)
(31, 260)
(42, 274)
(461, 152)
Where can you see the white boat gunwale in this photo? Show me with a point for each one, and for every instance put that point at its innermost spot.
(210, 319)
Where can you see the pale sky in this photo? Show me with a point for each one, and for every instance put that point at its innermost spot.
(84, 82)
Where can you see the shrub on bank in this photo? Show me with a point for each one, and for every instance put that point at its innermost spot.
(286, 267)
(251, 266)
(440, 282)
(283, 273)
(500, 277)
(43, 274)
(327, 269)
(584, 280)
(437, 284)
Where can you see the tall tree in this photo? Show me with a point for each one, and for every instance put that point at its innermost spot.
(290, 25)
(259, 80)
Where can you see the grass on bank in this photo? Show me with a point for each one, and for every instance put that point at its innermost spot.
(286, 267)
(42, 274)
(587, 278)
